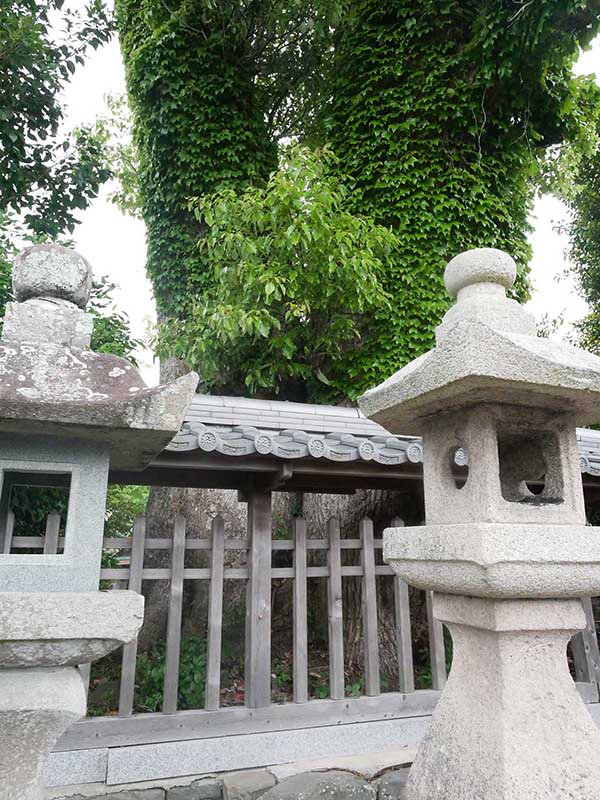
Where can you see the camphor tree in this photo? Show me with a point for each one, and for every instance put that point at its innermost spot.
(209, 85)
(439, 114)
(440, 117)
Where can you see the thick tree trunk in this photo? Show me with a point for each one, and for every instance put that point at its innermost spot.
(199, 507)
(381, 506)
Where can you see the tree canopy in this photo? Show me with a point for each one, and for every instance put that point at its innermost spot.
(47, 175)
(583, 199)
(44, 173)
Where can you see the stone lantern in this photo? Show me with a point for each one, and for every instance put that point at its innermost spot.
(506, 550)
(67, 415)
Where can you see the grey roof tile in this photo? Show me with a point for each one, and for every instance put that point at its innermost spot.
(239, 426)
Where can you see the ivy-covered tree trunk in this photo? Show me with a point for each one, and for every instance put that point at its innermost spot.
(198, 125)
(440, 114)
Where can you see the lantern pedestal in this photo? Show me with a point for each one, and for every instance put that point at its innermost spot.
(36, 708)
(510, 724)
(43, 636)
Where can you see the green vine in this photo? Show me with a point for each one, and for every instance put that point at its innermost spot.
(441, 114)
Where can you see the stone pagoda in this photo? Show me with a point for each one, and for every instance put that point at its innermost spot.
(67, 416)
(506, 550)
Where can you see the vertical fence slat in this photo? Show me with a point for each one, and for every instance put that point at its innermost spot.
(52, 531)
(369, 609)
(335, 612)
(174, 622)
(136, 566)
(436, 646)
(258, 602)
(215, 616)
(300, 614)
(586, 655)
(8, 534)
(406, 676)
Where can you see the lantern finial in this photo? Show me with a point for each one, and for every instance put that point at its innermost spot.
(50, 270)
(482, 265)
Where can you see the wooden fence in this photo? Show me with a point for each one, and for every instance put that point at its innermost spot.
(258, 572)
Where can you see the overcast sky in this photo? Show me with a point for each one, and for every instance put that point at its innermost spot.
(114, 243)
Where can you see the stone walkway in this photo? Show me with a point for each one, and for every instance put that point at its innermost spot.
(378, 776)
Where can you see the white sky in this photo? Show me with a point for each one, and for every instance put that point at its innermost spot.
(114, 244)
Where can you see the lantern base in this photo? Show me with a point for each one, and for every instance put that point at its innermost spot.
(37, 705)
(510, 724)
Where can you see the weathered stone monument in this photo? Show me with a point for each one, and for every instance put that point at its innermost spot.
(67, 415)
(507, 550)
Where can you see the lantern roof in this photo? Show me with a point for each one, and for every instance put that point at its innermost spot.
(487, 350)
(52, 383)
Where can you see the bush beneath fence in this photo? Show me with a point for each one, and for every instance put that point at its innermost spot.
(150, 675)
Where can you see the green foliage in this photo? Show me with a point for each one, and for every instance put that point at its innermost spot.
(583, 199)
(111, 326)
(296, 281)
(441, 114)
(44, 177)
(31, 506)
(444, 117)
(43, 173)
(150, 675)
(123, 504)
(210, 83)
(197, 124)
(114, 129)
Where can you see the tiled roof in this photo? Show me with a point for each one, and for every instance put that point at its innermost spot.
(238, 426)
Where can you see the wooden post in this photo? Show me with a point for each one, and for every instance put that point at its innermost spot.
(136, 567)
(171, 686)
(8, 531)
(215, 616)
(258, 601)
(300, 614)
(52, 531)
(369, 609)
(335, 613)
(5, 512)
(586, 654)
(436, 646)
(406, 676)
